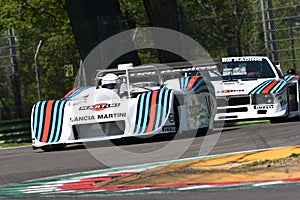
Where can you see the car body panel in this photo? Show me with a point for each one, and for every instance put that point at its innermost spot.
(136, 109)
(242, 97)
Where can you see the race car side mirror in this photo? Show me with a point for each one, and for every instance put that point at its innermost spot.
(291, 71)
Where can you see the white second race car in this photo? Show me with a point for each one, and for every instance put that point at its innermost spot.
(254, 88)
(126, 102)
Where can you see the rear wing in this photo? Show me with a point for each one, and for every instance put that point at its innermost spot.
(166, 69)
(191, 66)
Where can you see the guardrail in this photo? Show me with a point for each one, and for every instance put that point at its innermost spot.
(15, 131)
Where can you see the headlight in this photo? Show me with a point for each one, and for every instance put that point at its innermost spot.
(263, 99)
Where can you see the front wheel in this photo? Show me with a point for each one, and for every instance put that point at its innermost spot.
(277, 120)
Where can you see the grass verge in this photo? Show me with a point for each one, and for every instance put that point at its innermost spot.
(291, 161)
(5, 145)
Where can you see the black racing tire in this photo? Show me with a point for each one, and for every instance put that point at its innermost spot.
(277, 120)
(176, 103)
(203, 131)
(53, 147)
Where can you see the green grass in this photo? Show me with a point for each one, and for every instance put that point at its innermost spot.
(286, 160)
(5, 145)
(246, 123)
(256, 163)
(294, 155)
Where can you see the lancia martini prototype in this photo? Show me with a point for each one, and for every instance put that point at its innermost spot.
(255, 88)
(126, 102)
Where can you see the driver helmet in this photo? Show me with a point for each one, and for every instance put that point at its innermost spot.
(110, 81)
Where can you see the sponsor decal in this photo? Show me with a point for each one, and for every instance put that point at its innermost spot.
(169, 129)
(100, 106)
(188, 69)
(241, 59)
(230, 91)
(102, 116)
(171, 117)
(82, 118)
(261, 107)
(196, 111)
(113, 115)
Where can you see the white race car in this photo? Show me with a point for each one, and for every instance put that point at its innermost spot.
(126, 102)
(254, 88)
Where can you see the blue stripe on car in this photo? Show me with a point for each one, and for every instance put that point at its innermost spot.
(141, 100)
(41, 119)
(181, 83)
(76, 92)
(60, 120)
(259, 88)
(35, 123)
(146, 114)
(187, 79)
(278, 87)
(165, 105)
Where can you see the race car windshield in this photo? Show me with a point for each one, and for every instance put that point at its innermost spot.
(110, 86)
(246, 70)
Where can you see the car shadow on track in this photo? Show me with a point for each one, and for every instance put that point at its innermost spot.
(136, 140)
(153, 139)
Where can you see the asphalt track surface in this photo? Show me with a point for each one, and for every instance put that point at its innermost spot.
(21, 164)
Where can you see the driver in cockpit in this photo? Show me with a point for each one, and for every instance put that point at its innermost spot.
(111, 81)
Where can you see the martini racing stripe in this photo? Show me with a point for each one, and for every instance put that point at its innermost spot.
(47, 121)
(193, 84)
(291, 78)
(146, 113)
(152, 110)
(75, 91)
(260, 87)
(157, 121)
(269, 87)
(70, 92)
(278, 87)
(165, 107)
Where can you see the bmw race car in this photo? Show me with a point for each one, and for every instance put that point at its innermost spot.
(126, 102)
(255, 88)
